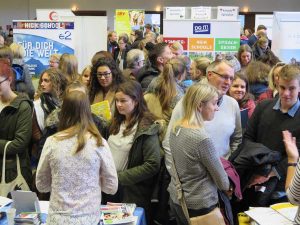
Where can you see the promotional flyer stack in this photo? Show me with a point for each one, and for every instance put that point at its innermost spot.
(27, 218)
(118, 213)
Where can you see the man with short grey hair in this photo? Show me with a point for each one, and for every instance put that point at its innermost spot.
(135, 61)
(225, 129)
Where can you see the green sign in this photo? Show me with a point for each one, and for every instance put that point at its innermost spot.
(227, 44)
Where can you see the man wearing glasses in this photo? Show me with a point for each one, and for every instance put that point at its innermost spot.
(225, 129)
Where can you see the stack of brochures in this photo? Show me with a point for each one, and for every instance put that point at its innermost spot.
(118, 213)
(27, 218)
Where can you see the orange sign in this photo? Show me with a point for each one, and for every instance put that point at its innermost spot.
(201, 44)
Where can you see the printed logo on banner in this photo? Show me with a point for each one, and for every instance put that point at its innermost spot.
(201, 28)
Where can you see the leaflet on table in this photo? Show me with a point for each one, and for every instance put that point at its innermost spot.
(102, 109)
(28, 218)
(286, 209)
(4, 201)
(117, 213)
(267, 216)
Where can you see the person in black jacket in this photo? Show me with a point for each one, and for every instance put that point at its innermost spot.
(121, 51)
(138, 36)
(269, 119)
(158, 57)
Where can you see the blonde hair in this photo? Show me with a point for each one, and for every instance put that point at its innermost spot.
(257, 71)
(17, 50)
(173, 70)
(196, 95)
(176, 46)
(290, 72)
(68, 64)
(56, 57)
(271, 75)
(201, 64)
(262, 40)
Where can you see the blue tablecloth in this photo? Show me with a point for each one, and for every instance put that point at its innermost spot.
(139, 212)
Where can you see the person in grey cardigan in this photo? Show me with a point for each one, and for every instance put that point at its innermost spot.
(196, 160)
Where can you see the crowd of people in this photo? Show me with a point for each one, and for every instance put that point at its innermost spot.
(175, 122)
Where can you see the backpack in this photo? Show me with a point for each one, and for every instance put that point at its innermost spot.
(19, 72)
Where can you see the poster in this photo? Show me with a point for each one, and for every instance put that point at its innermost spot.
(42, 39)
(204, 38)
(129, 19)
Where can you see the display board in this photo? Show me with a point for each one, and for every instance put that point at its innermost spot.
(40, 39)
(286, 36)
(204, 38)
(91, 37)
(129, 19)
(90, 33)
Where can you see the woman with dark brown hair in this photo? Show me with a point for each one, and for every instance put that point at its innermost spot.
(244, 55)
(106, 77)
(121, 51)
(135, 147)
(239, 90)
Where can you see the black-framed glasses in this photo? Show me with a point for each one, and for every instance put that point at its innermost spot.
(224, 77)
(105, 75)
(4, 80)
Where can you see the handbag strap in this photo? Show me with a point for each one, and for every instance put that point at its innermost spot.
(180, 194)
(4, 161)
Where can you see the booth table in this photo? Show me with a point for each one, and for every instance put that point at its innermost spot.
(139, 212)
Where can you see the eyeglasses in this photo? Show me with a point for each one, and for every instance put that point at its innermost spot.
(52, 62)
(105, 75)
(224, 77)
(4, 80)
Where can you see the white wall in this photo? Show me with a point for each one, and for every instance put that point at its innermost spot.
(25, 9)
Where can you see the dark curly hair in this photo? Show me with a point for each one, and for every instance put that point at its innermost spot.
(117, 76)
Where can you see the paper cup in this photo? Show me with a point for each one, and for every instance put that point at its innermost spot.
(10, 214)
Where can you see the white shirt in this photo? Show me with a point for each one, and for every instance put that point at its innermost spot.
(2, 106)
(120, 146)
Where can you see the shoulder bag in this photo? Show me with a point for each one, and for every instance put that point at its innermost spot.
(18, 183)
